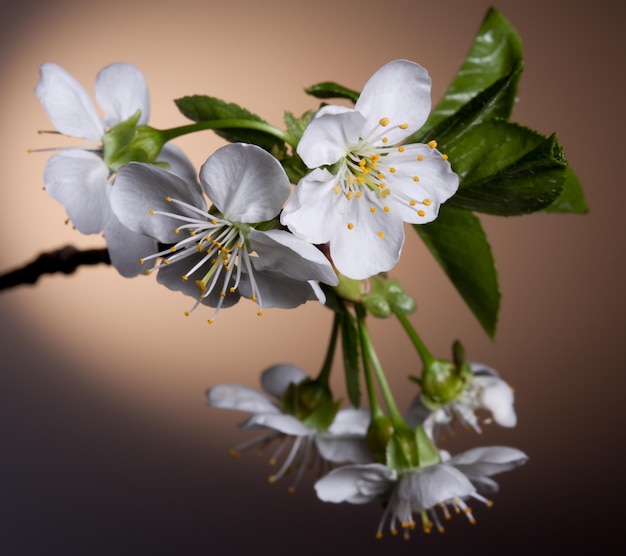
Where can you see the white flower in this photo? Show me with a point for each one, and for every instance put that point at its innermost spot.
(376, 183)
(343, 441)
(486, 391)
(446, 485)
(79, 178)
(226, 251)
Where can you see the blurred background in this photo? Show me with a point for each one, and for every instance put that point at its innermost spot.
(107, 444)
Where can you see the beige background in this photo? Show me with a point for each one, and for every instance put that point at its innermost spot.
(107, 446)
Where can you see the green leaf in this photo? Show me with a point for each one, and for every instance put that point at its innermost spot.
(492, 102)
(328, 89)
(458, 242)
(572, 198)
(202, 108)
(506, 169)
(495, 52)
(296, 126)
(351, 357)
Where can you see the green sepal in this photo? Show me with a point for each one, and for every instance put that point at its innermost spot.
(572, 198)
(351, 357)
(506, 169)
(401, 453)
(127, 142)
(303, 399)
(495, 52)
(296, 126)
(443, 382)
(203, 108)
(322, 416)
(349, 289)
(458, 242)
(427, 451)
(328, 89)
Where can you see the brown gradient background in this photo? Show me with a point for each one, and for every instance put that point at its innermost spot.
(107, 445)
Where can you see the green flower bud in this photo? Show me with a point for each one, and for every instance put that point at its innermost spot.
(311, 402)
(444, 381)
(349, 289)
(379, 432)
(377, 305)
(127, 142)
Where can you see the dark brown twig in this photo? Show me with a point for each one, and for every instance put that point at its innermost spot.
(65, 260)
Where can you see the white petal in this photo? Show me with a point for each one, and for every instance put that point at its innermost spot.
(67, 104)
(487, 461)
(121, 90)
(356, 484)
(78, 180)
(497, 396)
(399, 91)
(127, 247)
(350, 422)
(357, 248)
(140, 188)
(432, 485)
(178, 162)
(280, 422)
(344, 449)
(246, 183)
(241, 398)
(313, 210)
(276, 290)
(329, 135)
(276, 379)
(286, 254)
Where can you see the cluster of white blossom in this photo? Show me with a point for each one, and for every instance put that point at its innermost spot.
(239, 229)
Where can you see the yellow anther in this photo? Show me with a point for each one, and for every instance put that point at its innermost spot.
(379, 535)
(382, 185)
(201, 285)
(360, 179)
(489, 503)
(210, 321)
(420, 213)
(141, 261)
(372, 209)
(173, 249)
(400, 149)
(253, 298)
(420, 157)
(231, 289)
(240, 245)
(350, 225)
(384, 194)
(381, 176)
(192, 233)
(151, 212)
(185, 277)
(166, 261)
(168, 199)
(384, 122)
(386, 209)
(223, 294)
(260, 314)
(381, 235)
(337, 190)
(404, 126)
(416, 178)
(427, 202)
(214, 222)
(385, 139)
(392, 170)
(234, 453)
(444, 156)
(349, 195)
(362, 162)
(358, 194)
(291, 489)
(148, 272)
(412, 202)
(186, 313)
(176, 231)
(432, 144)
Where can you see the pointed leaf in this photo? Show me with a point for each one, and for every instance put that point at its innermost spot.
(202, 108)
(458, 242)
(496, 50)
(328, 89)
(572, 198)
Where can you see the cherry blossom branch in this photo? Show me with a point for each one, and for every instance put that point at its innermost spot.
(65, 260)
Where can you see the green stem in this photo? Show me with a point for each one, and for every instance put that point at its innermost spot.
(324, 375)
(174, 132)
(369, 356)
(375, 410)
(422, 350)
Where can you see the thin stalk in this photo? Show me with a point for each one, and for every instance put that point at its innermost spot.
(324, 375)
(422, 350)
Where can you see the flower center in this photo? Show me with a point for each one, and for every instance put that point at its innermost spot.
(223, 252)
